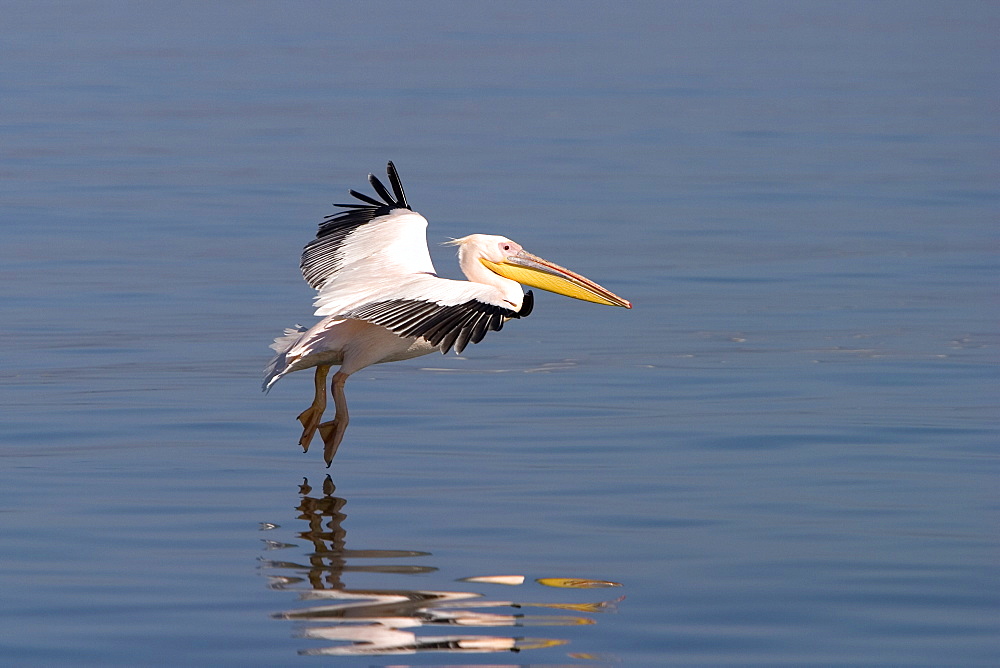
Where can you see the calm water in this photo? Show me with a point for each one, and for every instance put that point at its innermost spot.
(786, 453)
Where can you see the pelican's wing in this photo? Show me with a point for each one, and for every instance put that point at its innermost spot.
(371, 263)
(445, 312)
(384, 237)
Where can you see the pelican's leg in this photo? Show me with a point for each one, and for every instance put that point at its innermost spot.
(333, 431)
(311, 416)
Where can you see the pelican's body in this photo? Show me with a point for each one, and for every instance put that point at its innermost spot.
(383, 301)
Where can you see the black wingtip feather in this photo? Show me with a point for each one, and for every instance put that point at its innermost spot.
(394, 200)
(381, 190)
(480, 327)
(442, 326)
(448, 341)
(366, 198)
(359, 214)
(527, 305)
(397, 185)
(436, 328)
(464, 335)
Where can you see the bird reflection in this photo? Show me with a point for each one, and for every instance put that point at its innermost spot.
(394, 621)
(328, 558)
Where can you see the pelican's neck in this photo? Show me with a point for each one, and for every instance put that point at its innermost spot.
(477, 272)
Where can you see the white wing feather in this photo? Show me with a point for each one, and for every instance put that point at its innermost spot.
(387, 259)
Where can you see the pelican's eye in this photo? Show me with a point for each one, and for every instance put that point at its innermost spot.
(507, 249)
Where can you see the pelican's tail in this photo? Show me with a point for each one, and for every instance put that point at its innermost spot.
(276, 367)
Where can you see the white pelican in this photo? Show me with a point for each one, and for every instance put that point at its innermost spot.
(383, 301)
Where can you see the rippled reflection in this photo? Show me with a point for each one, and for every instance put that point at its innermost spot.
(395, 621)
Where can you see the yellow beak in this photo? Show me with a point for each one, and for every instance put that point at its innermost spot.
(528, 269)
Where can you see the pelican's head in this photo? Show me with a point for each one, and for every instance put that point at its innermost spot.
(506, 258)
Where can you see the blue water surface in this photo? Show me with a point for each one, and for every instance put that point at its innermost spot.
(785, 453)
